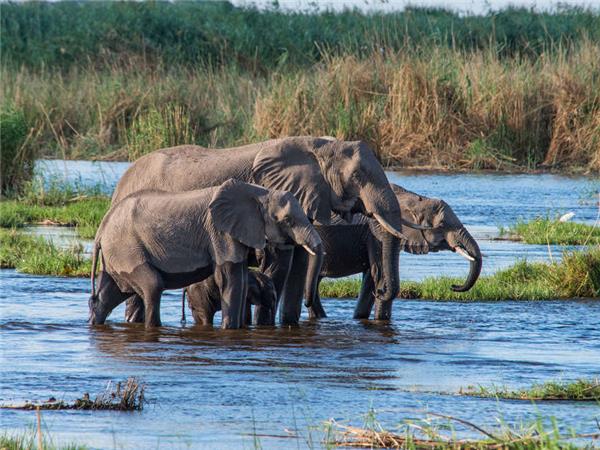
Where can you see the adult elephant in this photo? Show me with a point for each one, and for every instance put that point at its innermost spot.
(357, 248)
(325, 175)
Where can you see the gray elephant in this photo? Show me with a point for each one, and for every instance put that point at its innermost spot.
(357, 248)
(204, 300)
(325, 175)
(153, 240)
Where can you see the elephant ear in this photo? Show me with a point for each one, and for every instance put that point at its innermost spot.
(235, 210)
(291, 166)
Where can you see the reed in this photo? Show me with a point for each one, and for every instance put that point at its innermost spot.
(578, 390)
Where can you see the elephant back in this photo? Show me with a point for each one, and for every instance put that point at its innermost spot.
(345, 248)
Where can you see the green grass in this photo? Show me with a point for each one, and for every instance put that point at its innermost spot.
(28, 440)
(437, 431)
(577, 275)
(85, 214)
(16, 159)
(579, 390)
(37, 256)
(548, 231)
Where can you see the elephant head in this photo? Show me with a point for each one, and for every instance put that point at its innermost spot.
(254, 215)
(446, 232)
(327, 176)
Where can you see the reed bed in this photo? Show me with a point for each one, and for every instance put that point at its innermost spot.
(578, 390)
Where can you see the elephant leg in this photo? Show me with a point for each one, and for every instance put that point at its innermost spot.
(291, 303)
(232, 280)
(316, 311)
(149, 286)
(383, 310)
(203, 309)
(366, 298)
(134, 309)
(109, 296)
(276, 264)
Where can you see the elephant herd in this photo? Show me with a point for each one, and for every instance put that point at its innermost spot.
(296, 209)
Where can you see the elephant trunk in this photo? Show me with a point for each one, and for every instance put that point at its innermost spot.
(310, 240)
(382, 205)
(464, 244)
(390, 251)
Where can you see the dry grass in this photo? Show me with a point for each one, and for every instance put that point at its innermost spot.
(126, 396)
(449, 109)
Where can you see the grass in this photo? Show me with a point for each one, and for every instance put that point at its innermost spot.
(28, 440)
(548, 231)
(579, 390)
(509, 90)
(577, 275)
(37, 256)
(437, 431)
(16, 159)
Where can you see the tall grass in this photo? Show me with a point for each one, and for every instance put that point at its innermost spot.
(509, 90)
(16, 159)
(70, 34)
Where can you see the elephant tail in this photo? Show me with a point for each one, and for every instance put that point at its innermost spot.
(95, 253)
(183, 306)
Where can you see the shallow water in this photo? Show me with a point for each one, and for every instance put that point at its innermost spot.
(212, 389)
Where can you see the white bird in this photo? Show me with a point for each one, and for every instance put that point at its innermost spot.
(566, 217)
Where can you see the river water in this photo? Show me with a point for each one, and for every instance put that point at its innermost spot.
(212, 389)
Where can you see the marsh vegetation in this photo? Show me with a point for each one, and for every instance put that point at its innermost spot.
(509, 90)
(578, 390)
(552, 231)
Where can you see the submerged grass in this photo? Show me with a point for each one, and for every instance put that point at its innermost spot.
(548, 231)
(579, 390)
(28, 440)
(37, 256)
(437, 431)
(577, 275)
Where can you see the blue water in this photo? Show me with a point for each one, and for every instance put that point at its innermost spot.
(212, 389)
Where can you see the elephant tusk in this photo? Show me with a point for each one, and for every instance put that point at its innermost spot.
(390, 229)
(462, 252)
(308, 249)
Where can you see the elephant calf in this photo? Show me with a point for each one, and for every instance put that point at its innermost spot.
(155, 240)
(204, 300)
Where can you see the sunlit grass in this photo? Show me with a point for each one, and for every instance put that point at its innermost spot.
(579, 390)
(38, 256)
(548, 231)
(577, 275)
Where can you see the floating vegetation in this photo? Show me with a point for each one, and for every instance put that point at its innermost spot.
(579, 390)
(122, 396)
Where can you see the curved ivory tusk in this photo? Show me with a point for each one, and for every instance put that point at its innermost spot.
(414, 225)
(390, 229)
(463, 253)
(307, 248)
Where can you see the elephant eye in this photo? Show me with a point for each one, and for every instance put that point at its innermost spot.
(287, 220)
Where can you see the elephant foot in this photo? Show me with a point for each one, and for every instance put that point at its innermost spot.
(316, 312)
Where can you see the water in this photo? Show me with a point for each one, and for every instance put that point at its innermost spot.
(213, 389)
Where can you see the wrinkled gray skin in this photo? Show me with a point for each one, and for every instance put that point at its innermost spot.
(154, 240)
(204, 300)
(357, 248)
(325, 175)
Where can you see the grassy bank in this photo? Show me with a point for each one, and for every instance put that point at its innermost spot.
(548, 231)
(514, 90)
(577, 275)
(580, 390)
(37, 256)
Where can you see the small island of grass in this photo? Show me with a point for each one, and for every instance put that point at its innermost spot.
(547, 231)
(579, 390)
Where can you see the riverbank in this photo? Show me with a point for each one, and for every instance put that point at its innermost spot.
(426, 87)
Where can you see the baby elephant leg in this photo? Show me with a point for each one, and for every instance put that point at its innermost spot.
(263, 295)
(149, 285)
(134, 309)
(204, 300)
